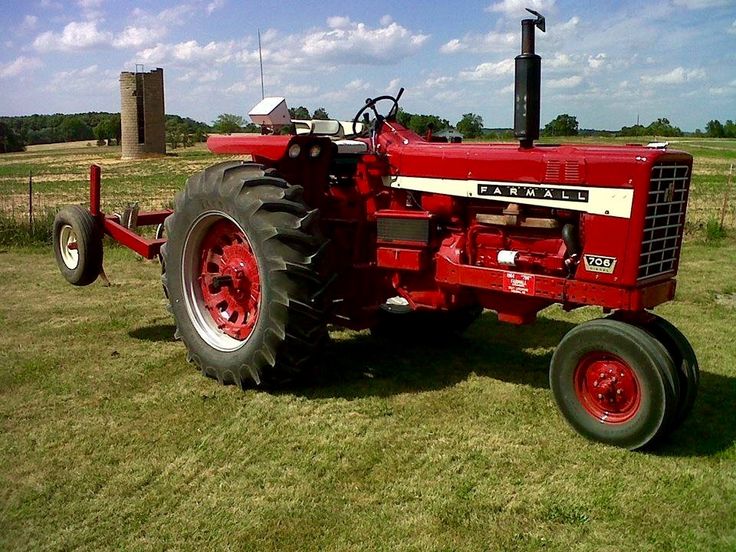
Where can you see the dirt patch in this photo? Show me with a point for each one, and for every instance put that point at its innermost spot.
(727, 300)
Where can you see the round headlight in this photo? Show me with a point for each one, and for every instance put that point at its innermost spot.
(294, 151)
(315, 150)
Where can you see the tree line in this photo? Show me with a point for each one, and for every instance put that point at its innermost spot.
(102, 127)
(17, 132)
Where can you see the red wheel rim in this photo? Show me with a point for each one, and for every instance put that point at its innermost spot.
(607, 388)
(229, 280)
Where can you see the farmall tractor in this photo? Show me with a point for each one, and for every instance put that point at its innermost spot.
(366, 224)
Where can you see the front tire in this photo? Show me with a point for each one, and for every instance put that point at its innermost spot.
(685, 361)
(614, 383)
(243, 276)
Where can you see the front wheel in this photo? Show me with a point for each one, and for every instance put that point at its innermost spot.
(242, 272)
(685, 361)
(614, 383)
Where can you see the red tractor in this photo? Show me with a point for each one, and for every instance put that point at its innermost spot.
(369, 225)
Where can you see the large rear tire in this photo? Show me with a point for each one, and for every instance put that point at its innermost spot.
(242, 274)
(614, 383)
(77, 242)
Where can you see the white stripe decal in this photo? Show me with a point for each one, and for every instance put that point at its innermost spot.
(615, 202)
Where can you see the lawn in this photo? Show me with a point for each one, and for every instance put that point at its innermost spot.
(110, 440)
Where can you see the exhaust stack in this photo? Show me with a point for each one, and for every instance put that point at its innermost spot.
(527, 84)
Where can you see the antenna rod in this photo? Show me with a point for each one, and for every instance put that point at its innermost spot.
(260, 57)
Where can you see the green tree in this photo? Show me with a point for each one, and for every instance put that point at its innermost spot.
(74, 128)
(714, 129)
(663, 127)
(9, 140)
(419, 122)
(562, 125)
(470, 126)
(729, 129)
(174, 134)
(320, 113)
(634, 130)
(104, 131)
(227, 123)
(301, 113)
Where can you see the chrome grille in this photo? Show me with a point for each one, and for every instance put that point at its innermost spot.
(665, 219)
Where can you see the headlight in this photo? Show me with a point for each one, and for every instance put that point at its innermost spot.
(315, 150)
(294, 151)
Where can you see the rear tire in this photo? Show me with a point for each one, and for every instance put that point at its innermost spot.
(242, 273)
(614, 383)
(77, 242)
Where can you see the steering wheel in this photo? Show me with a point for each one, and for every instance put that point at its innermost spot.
(370, 105)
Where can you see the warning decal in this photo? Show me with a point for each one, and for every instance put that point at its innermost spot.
(515, 282)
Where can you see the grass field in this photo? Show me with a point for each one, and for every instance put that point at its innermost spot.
(110, 440)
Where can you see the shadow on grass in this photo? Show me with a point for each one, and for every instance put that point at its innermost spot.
(363, 365)
(156, 332)
(710, 427)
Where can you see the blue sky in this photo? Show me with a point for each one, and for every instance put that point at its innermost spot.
(605, 62)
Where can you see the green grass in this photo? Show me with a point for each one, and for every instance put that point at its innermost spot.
(110, 440)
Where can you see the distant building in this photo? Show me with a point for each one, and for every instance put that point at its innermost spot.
(142, 120)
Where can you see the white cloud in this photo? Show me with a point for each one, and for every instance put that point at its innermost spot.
(700, 4)
(189, 52)
(489, 70)
(77, 35)
(478, 43)
(214, 6)
(438, 81)
(87, 81)
(679, 75)
(199, 76)
(29, 23)
(568, 26)
(357, 84)
(19, 67)
(597, 61)
(453, 46)
(91, 9)
(298, 90)
(567, 82)
(386, 20)
(518, 7)
(732, 28)
(356, 43)
(393, 86)
(338, 22)
(559, 60)
(174, 16)
(136, 37)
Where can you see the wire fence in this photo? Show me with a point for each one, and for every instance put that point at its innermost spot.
(26, 215)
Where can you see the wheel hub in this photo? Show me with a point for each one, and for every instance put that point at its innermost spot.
(607, 388)
(229, 280)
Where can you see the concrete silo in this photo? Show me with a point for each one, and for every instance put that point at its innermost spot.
(142, 113)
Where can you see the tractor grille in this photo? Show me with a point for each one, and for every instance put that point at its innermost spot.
(665, 219)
